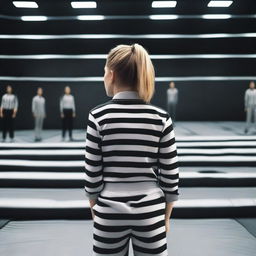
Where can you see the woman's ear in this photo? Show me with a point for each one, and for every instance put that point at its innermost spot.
(112, 76)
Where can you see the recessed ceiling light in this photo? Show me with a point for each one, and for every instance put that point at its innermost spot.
(25, 4)
(87, 4)
(164, 4)
(214, 3)
(216, 16)
(90, 17)
(163, 17)
(33, 18)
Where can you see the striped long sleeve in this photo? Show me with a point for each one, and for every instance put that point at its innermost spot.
(93, 159)
(168, 162)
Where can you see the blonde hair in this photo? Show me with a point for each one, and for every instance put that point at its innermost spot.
(133, 67)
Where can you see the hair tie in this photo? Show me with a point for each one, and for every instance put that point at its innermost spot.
(133, 48)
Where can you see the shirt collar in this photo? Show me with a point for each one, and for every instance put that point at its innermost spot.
(126, 95)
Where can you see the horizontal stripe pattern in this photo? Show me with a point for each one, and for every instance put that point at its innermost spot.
(124, 211)
(128, 140)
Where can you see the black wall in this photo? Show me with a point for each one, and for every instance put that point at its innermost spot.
(207, 100)
(198, 101)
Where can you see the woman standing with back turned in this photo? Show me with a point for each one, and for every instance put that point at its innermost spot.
(131, 162)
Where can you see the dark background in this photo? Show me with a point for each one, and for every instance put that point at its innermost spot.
(220, 100)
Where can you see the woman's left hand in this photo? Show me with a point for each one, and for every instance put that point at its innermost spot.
(92, 203)
(93, 214)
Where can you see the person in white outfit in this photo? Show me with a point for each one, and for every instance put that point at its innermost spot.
(38, 111)
(172, 100)
(250, 106)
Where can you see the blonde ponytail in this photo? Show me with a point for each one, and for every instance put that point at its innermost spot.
(133, 67)
(145, 73)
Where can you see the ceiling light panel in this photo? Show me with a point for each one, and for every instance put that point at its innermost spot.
(164, 4)
(25, 4)
(87, 4)
(219, 3)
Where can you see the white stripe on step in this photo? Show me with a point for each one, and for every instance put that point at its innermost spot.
(80, 152)
(81, 176)
(35, 203)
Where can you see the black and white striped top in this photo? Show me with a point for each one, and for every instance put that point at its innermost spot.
(129, 140)
(9, 101)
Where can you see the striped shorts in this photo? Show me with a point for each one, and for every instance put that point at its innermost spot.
(130, 210)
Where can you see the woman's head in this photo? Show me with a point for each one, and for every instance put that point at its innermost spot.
(40, 91)
(9, 89)
(129, 67)
(172, 84)
(252, 84)
(67, 90)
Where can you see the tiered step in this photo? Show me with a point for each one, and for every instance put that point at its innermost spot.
(45, 180)
(32, 203)
(65, 176)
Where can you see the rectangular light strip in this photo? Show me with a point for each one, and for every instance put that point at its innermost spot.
(214, 3)
(33, 18)
(87, 4)
(164, 4)
(158, 79)
(163, 17)
(25, 4)
(104, 56)
(90, 17)
(138, 17)
(121, 36)
(216, 16)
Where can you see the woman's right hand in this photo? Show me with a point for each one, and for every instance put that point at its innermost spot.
(167, 225)
(168, 213)
(92, 203)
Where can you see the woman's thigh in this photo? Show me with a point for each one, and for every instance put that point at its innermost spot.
(139, 216)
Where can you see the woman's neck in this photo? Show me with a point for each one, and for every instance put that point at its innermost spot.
(118, 89)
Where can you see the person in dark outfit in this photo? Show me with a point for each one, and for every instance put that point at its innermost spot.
(68, 112)
(8, 110)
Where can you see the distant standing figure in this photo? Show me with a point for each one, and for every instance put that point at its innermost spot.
(9, 107)
(38, 110)
(250, 105)
(172, 100)
(67, 110)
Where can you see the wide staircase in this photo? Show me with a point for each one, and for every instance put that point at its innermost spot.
(45, 180)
